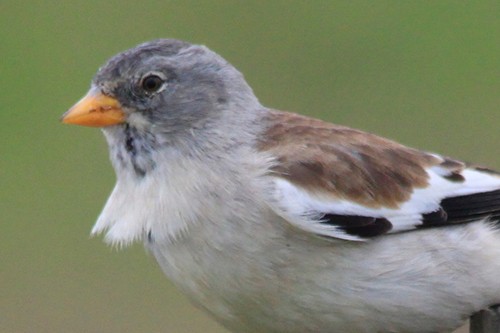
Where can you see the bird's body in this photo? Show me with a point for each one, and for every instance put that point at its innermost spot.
(275, 222)
(309, 285)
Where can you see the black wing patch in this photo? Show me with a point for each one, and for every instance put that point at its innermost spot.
(453, 210)
(466, 208)
(361, 226)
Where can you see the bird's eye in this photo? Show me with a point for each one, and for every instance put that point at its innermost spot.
(152, 83)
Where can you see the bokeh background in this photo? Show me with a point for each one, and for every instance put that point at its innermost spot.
(425, 73)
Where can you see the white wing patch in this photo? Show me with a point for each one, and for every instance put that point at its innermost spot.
(307, 210)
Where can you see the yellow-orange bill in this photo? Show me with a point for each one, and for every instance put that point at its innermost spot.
(95, 110)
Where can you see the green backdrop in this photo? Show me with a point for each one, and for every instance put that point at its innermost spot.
(425, 73)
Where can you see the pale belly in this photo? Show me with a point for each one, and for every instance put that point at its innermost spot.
(400, 283)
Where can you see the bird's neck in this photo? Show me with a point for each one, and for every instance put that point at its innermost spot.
(164, 190)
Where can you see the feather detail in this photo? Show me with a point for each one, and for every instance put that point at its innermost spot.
(338, 182)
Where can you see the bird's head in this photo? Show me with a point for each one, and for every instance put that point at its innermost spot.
(163, 93)
(167, 83)
(170, 112)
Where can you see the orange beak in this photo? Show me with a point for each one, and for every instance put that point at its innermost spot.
(95, 110)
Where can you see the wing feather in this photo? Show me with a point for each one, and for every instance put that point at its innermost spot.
(338, 182)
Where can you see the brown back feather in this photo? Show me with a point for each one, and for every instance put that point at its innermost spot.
(349, 164)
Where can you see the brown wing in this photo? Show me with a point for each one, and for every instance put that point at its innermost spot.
(345, 162)
(341, 163)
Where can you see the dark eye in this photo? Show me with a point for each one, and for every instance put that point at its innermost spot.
(152, 83)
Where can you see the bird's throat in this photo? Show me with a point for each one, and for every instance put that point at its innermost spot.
(132, 151)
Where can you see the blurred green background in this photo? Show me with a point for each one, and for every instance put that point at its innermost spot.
(423, 72)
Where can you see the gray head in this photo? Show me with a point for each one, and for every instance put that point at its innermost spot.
(160, 93)
(172, 84)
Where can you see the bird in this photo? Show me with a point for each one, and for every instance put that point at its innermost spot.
(276, 222)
